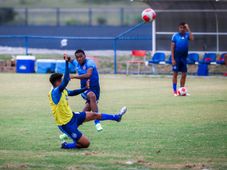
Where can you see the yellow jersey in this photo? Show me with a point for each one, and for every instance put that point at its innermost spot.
(62, 112)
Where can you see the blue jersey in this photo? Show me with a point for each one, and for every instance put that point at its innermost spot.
(82, 69)
(181, 42)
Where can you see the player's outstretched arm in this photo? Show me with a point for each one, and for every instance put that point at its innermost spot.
(76, 92)
(191, 37)
(83, 76)
(172, 53)
(79, 91)
(66, 75)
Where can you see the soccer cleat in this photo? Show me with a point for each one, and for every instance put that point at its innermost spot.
(63, 137)
(98, 127)
(175, 94)
(122, 112)
(187, 94)
(63, 145)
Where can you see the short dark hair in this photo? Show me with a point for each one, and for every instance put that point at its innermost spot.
(79, 51)
(181, 24)
(55, 77)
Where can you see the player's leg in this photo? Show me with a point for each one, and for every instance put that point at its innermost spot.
(71, 129)
(183, 79)
(87, 107)
(175, 74)
(103, 116)
(83, 142)
(175, 70)
(174, 79)
(184, 70)
(94, 108)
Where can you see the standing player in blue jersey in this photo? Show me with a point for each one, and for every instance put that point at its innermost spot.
(67, 121)
(179, 53)
(86, 69)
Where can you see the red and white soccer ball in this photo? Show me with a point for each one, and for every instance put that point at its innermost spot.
(148, 15)
(182, 91)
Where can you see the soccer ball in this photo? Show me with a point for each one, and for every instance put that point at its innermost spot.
(148, 15)
(182, 91)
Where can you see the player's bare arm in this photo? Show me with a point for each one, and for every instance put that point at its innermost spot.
(79, 91)
(191, 37)
(172, 53)
(83, 76)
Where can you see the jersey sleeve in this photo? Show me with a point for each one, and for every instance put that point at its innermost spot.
(173, 38)
(74, 62)
(56, 95)
(91, 64)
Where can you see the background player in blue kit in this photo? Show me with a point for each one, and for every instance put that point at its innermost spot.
(86, 69)
(179, 53)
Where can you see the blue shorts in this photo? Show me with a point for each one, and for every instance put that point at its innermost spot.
(181, 65)
(96, 91)
(71, 128)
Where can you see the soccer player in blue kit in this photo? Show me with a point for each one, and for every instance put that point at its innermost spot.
(67, 120)
(179, 53)
(86, 69)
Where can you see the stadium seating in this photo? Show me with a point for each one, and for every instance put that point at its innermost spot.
(193, 58)
(45, 66)
(209, 58)
(138, 57)
(158, 58)
(221, 59)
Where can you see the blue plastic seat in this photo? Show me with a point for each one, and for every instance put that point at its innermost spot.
(169, 60)
(221, 59)
(208, 58)
(157, 58)
(192, 58)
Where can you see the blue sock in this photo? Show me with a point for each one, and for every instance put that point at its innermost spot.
(110, 117)
(174, 87)
(69, 145)
(96, 121)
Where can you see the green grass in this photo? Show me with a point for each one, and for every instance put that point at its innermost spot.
(158, 132)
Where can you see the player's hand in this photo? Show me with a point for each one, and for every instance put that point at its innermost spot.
(187, 27)
(173, 62)
(67, 58)
(88, 84)
(71, 77)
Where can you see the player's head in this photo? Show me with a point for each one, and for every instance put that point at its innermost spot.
(182, 28)
(56, 79)
(80, 56)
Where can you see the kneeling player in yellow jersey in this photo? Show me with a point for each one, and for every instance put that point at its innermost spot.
(68, 121)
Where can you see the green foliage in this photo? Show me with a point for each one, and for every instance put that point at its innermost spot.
(6, 15)
(101, 21)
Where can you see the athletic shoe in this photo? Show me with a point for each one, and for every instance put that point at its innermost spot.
(121, 113)
(98, 127)
(63, 145)
(175, 94)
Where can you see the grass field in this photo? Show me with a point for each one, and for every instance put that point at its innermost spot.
(158, 132)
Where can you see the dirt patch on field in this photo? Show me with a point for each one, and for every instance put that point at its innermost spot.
(14, 166)
(151, 165)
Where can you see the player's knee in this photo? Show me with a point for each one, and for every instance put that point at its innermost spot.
(92, 96)
(86, 144)
(184, 75)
